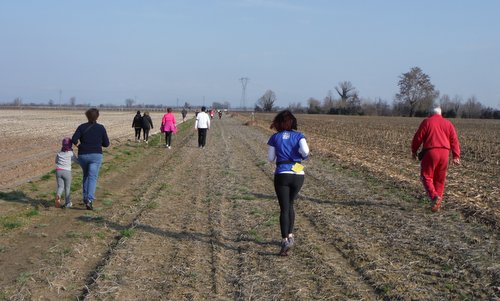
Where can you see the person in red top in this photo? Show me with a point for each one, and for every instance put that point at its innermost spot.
(438, 136)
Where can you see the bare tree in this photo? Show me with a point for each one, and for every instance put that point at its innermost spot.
(129, 102)
(415, 90)
(266, 101)
(314, 106)
(328, 102)
(471, 108)
(18, 101)
(72, 101)
(296, 107)
(347, 93)
(349, 102)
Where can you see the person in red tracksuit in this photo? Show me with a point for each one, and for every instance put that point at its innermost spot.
(438, 136)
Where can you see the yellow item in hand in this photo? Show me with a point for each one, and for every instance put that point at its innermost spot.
(297, 167)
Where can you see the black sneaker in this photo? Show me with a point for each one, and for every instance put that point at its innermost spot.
(89, 206)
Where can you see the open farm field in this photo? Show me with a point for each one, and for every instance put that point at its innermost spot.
(380, 146)
(29, 138)
(203, 224)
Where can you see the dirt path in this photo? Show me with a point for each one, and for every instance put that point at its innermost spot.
(202, 224)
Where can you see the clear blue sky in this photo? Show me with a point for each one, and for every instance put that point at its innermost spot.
(160, 51)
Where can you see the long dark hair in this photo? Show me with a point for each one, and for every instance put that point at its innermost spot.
(284, 121)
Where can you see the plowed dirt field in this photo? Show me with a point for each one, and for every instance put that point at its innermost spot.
(202, 224)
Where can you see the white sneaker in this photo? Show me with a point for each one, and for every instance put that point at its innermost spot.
(169, 147)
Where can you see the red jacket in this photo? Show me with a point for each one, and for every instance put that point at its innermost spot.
(436, 132)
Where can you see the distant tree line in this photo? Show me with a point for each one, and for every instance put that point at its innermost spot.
(416, 96)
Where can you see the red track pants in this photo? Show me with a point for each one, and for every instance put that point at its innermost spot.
(433, 171)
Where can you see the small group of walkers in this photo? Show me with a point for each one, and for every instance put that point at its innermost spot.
(287, 148)
(142, 123)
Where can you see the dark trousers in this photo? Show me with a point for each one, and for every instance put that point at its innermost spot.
(287, 187)
(145, 134)
(138, 133)
(168, 138)
(202, 137)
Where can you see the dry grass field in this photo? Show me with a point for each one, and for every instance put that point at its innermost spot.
(202, 224)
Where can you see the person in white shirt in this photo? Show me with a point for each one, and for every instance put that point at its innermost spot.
(202, 124)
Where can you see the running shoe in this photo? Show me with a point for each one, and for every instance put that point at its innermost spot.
(291, 240)
(89, 206)
(285, 245)
(58, 201)
(436, 204)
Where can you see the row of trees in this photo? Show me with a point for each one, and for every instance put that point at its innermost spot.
(416, 96)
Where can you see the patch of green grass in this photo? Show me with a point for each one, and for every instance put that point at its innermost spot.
(246, 197)
(447, 268)
(33, 187)
(11, 223)
(101, 235)
(32, 212)
(164, 186)
(107, 202)
(4, 296)
(73, 234)
(255, 236)
(449, 286)
(66, 251)
(41, 225)
(76, 183)
(2, 248)
(23, 277)
(127, 232)
(273, 221)
(127, 152)
(48, 175)
(256, 211)
(152, 205)
(261, 163)
(455, 216)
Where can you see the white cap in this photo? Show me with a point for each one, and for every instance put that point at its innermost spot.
(436, 110)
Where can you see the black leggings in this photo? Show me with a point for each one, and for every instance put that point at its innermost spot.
(287, 187)
(168, 138)
(145, 133)
(138, 133)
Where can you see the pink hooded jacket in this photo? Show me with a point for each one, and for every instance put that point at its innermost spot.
(168, 123)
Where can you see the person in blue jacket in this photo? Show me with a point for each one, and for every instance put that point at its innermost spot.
(287, 148)
(90, 138)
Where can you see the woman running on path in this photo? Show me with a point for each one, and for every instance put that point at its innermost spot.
(287, 148)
